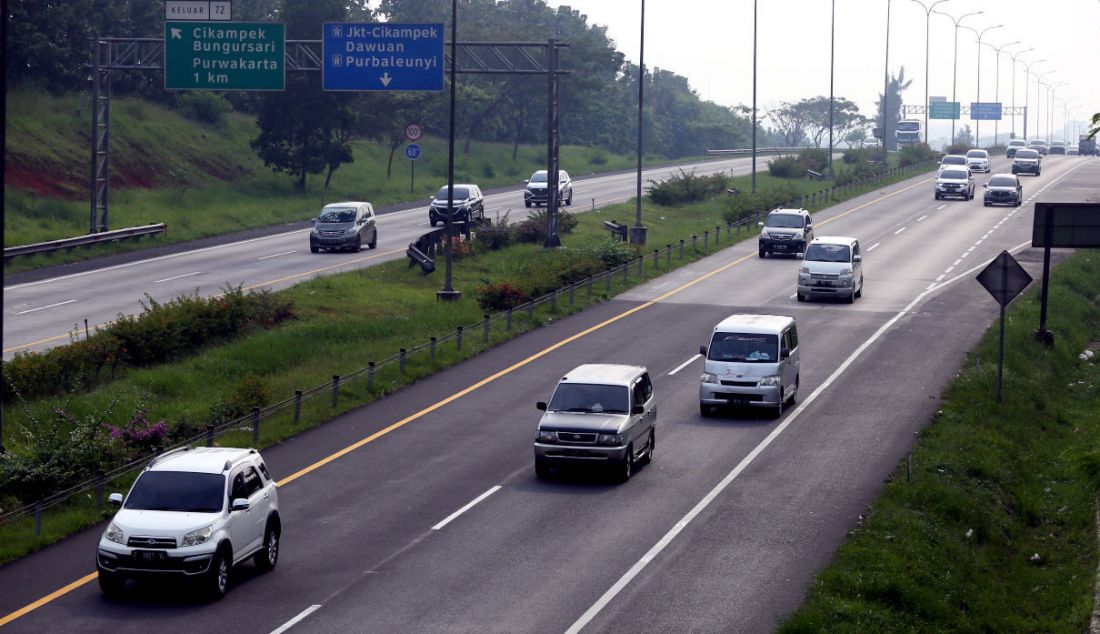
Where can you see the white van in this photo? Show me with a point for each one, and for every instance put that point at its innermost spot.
(752, 361)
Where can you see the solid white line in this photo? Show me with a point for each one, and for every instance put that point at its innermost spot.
(940, 207)
(689, 362)
(177, 277)
(32, 310)
(677, 528)
(466, 508)
(921, 218)
(873, 247)
(275, 255)
(899, 231)
(294, 621)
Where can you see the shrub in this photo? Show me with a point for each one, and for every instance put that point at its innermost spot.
(815, 159)
(864, 155)
(916, 153)
(494, 235)
(686, 187)
(487, 169)
(532, 229)
(612, 252)
(205, 107)
(599, 157)
(139, 436)
(958, 148)
(745, 205)
(499, 296)
(857, 171)
(784, 167)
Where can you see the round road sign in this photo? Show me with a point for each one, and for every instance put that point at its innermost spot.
(413, 132)
(412, 151)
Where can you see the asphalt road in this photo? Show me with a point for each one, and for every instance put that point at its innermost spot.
(723, 531)
(44, 313)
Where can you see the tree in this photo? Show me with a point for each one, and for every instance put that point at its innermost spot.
(1095, 125)
(790, 121)
(815, 114)
(855, 137)
(894, 87)
(964, 136)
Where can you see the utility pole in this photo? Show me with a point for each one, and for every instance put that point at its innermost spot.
(638, 231)
(927, 22)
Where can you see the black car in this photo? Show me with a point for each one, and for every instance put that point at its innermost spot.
(1004, 189)
(535, 193)
(347, 225)
(469, 205)
(1027, 162)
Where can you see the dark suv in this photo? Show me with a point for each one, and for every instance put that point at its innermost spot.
(535, 193)
(468, 201)
(1004, 189)
(786, 231)
(1027, 162)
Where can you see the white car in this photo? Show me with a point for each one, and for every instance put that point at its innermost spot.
(955, 181)
(192, 514)
(954, 160)
(978, 161)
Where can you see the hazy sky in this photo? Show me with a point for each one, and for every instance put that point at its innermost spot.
(710, 42)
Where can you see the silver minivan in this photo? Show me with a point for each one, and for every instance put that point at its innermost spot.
(752, 361)
(599, 414)
(832, 267)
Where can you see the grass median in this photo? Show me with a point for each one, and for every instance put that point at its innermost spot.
(346, 321)
(996, 531)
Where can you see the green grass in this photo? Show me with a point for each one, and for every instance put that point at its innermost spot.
(996, 531)
(345, 321)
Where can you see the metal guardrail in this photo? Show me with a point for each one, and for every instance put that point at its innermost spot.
(253, 421)
(762, 150)
(68, 244)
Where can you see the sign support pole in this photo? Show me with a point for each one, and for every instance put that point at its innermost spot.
(1001, 353)
(448, 293)
(1043, 335)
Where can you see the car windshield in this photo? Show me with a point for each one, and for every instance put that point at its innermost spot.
(1017, 143)
(461, 193)
(181, 491)
(1037, 143)
(784, 220)
(590, 398)
(1026, 154)
(827, 253)
(539, 177)
(747, 348)
(953, 174)
(338, 214)
(1002, 181)
(977, 154)
(1057, 143)
(908, 126)
(954, 160)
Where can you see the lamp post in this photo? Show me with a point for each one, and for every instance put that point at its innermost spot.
(1027, 79)
(754, 96)
(638, 233)
(1038, 103)
(1014, 56)
(927, 22)
(997, 88)
(1052, 90)
(448, 293)
(886, 78)
(955, 72)
(832, 59)
(1065, 118)
(978, 97)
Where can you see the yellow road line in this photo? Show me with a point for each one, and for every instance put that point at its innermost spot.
(457, 395)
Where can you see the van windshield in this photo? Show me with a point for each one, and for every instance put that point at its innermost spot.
(827, 253)
(784, 220)
(588, 398)
(338, 214)
(745, 348)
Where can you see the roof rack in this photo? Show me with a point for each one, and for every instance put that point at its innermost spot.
(157, 459)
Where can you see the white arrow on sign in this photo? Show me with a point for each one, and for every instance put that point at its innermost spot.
(176, 34)
(386, 79)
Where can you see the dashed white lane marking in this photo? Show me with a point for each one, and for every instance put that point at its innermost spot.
(940, 278)
(970, 249)
(899, 231)
(921, 218)
(469, 506)
(949, 269)
(873, 246)
(178, 277)
(964, 255)
(692, 360)
(940, 207)
(275, 255)
(34, 310)
(294, 621)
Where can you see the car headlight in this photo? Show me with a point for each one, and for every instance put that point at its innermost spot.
(770, 380)
(764, 233)
(804, 269)
(351, 231)
(609, 439)
(547, 436)
(846, 272)
(114, 534)
(194, 538)
(709, 378)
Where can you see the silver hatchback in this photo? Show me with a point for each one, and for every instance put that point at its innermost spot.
(599, 414)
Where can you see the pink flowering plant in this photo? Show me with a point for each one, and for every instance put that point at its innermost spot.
(139, 434)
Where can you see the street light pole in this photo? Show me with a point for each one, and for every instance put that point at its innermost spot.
(1052, 90)
(978, 97)
(927, 30)
(886, 79)
(997, 89)
(1027, 80)
(955, 64)
(832, 59)
(637, 233)
(1014, 56)
(448, 293)
(754, 96)
(1038, 102)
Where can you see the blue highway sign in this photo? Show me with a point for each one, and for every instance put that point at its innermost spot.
(985, 111)
(382, 56)
(412, 151)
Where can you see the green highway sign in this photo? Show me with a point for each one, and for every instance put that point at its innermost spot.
(943, 110)
(224, 56)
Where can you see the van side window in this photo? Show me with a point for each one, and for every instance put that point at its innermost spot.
(637, 393)
(647, 386)
(855, 249)
(238, 488)
(793, 334)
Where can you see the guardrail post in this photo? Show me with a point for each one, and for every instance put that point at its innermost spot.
(694, 243)
(509, 322)
(656, 258)
(431, 347)
(717, 235)
(401, 361)
(668, 256)
(458, 339)
(531, 310)
(626, 272)
(209, 435)
(370, 376)
(554, 300)
(255, 425)
(297, 406)
(641, 263)
(485, 329)
(572, 289)
(706, 240)
(335, 389)
(728, 236)
(99, 486)
(609, 273)
(681, 249)
(37, 518)
(590, 280)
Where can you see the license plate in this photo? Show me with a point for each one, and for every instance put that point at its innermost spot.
(150, 555)
(823, 283)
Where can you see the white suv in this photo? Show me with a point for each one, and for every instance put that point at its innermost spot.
(192, 513)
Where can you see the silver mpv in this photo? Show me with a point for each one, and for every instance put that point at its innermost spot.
(599, 414)
(752, 361)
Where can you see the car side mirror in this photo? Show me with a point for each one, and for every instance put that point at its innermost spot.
(526, 181)
(784, 353)
(857, 258)
(541, 405)
(985, 185)
(760, 223)
(313, 220)
(637, 409)
(703, 350)
(115, 498)
(239, 504)
(809, 225)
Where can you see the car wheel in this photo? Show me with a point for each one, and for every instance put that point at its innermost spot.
(859, 292)
(358, 244)
(433, 221)
(527, 204)
(851, 299)
(800, 297)
(779, 409)
(313, 248)
(648, 457)
(542, 470)
(1018, 202)
(569, 203)
(763, 253)
(217, 578)
(626, 465)
(705, 410)
(794, 394)
(373, 244)
(111, 584)
(986, 203)
(937, 196)
(268, 556)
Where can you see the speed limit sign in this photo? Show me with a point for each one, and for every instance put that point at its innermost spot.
(413, 132)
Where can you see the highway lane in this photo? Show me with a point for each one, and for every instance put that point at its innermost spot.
(534, 556)
(41, 314)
